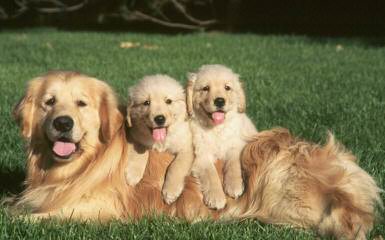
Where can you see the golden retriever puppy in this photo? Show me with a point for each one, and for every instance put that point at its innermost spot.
(67, 119)
(158, 119)
(220, 129)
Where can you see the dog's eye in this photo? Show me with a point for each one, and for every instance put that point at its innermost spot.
(50, 102)
(146, 103)
(81, 103)
(206, 88)
(168, 101)
(227, 88)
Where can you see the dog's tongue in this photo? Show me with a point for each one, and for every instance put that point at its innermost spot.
(159, 134)
(218, 117)
(64, 148)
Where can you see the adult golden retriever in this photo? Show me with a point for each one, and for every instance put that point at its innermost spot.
(68, 120)
(288, 181)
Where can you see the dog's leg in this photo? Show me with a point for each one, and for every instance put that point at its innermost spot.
(210, 183)
(136, 166)
(233, 182)
(176, 173)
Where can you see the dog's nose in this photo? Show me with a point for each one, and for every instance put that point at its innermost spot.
(63, 123)
(219, 102)
(160, 120)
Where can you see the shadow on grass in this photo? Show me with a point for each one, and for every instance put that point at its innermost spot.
(365, 42)
(11, 181)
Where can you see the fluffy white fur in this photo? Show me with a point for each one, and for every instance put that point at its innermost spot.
(224, 141)
(153, 96)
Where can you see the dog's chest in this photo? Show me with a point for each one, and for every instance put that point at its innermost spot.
(218, 140)
(167, 145)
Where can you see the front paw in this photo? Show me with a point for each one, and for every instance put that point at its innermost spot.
(215, 199)
(171, 192)
(234, 188)
(132, 179)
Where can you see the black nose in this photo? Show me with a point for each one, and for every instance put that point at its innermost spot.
(219, 102)
(63, 123)
(160, 120)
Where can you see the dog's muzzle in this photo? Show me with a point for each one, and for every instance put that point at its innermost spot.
(219, 102)
(63, 124)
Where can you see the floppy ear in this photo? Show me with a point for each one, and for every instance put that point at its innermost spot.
(111, 118)
(129, 107)
(23, 111)
(241, 99)
(189, 92)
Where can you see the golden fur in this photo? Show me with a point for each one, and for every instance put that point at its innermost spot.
(224, 140)
(288, 181)
(52, 182)
(307, 185)
(154, 96)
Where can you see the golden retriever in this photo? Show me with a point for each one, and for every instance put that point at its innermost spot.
(220, 130)
(68, 120)
(295, 182)
(288, 181)
(157, 118)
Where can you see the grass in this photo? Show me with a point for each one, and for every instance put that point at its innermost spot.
(308, 85)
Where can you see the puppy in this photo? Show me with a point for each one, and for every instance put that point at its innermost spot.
(220, 129)
(158, 120)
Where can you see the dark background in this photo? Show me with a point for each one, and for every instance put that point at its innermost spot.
(311, 17)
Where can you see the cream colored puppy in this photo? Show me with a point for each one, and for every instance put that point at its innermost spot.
(220, 129)
(157, 118)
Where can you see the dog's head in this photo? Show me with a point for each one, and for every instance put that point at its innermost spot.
(214, 91)
(155, 104)
(68, 113)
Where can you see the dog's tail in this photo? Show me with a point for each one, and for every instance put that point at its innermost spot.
(307, 185)
(350, 194)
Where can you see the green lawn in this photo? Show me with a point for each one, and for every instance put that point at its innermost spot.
(306, 84)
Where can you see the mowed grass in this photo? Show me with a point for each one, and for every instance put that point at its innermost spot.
(309, 85)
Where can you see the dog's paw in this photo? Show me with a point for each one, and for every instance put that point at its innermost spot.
(215, 199)
(234, 189)
(171, 192)
(132, 179)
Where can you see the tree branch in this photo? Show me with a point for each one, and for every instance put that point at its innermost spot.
(183, 10)
(137, 15)
(61, 7)
(3, 14)
(22, 7)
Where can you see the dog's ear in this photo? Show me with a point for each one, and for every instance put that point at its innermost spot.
(241, 99)
(24, 110)
(189, 92)
(129, 107)
(111, 118)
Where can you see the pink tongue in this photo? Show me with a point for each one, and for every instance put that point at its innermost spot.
(64, 148)
(159, 134)
(218, 117)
